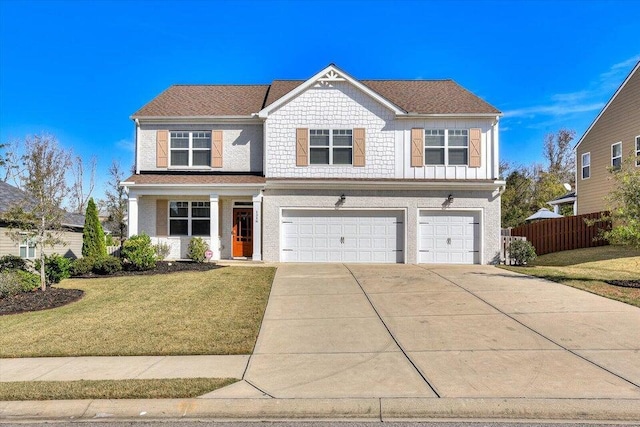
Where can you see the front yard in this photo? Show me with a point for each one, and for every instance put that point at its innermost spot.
(589, 269)
(213, 312)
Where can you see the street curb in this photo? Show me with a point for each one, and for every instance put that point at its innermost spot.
(365, 409)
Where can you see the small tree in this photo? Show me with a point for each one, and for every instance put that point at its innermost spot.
(116, 202)
(93, 243)
(80, 191)
(39, 217)
(624, 205)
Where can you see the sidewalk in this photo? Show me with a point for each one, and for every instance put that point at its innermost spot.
(121, 367)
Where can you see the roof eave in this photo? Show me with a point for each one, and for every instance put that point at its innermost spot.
(448, 115)
(199, 119)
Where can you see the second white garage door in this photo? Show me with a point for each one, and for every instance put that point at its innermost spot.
(342, 236)
(449, 237)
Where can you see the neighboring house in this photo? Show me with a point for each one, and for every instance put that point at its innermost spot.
(331, 169)
(613, 137)
(73, 226)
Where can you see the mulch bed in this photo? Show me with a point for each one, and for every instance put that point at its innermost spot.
(162, 267)
(38, 300)
(624, 283)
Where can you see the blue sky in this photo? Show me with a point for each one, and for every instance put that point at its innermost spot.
(80, 69)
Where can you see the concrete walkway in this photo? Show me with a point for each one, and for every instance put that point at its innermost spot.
(121, 367)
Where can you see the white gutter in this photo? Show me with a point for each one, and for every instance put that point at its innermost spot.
(376, 185)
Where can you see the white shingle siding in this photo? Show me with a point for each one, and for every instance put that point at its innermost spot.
(242, 150)
(409, 201)
(338, 106)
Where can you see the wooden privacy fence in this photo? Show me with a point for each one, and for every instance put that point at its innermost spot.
(113, 250)
(505, 242)
(563, 234)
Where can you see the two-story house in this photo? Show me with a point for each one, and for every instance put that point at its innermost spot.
(613, 137)
(331, 169)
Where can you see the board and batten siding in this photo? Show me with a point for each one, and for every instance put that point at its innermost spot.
(241, 146)
(620, 122)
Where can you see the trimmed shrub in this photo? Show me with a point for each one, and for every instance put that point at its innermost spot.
(56, 268)
(197, 248)
(107, 265)
(12, 262)
(162, 250)
(13, 282)
(93, 242)
(82, 266)
(139, 252)
(522, 252)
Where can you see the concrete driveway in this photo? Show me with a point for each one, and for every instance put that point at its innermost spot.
(333, 330)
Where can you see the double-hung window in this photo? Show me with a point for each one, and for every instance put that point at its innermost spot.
(189, 218)
(330, 146)
(27, 247)
(586, 165)
(446, 147)
(616, 155)
(190, 148)
(638, 150)
(458, 147)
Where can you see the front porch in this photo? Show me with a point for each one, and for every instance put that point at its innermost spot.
(228, 219)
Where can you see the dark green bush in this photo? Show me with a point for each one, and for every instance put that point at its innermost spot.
(12, 262)
(82, 266)
(56, 268)
(13, 282)
(522, 252)
(93, 242)
(197, 248)
(107, 265)
(139, 253)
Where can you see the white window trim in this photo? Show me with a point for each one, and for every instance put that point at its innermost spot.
(638, 151)
(582, 165)
(189, 218)
(191, 149)
(446, 147)
(618, 157)
(330, 147)
(26, 242)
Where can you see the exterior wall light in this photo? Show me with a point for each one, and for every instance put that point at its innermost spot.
(343, 198)
(450, 198)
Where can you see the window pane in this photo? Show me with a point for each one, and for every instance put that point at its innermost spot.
(434, 138)
(32, 251)
(200, 227)
(200, 210)
(179, 158)
(434, 156)
(342, 156)
(179, 139)
(202, 140)
(586, 159)
(342, 141)
(617, 163)
(23, 251)
(201, 158)
(585, 172)
(458, 141)
(319, 137)
(319, 156)
(179, 209)
(458, 157)
(178, 227)
(616, 150)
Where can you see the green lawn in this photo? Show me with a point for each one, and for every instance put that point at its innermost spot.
(588, 268)
(213, 312)
(111, 389)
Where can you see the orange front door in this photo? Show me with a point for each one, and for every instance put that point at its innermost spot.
(242, 233)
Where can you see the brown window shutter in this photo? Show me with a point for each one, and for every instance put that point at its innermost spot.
(162, 218)
(302, 147)
(417, 147)
(162, 148)
(216, 148)
(475, 147)
(359, 147)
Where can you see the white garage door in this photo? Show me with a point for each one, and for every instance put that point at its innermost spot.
(342, 236)
(449, 237)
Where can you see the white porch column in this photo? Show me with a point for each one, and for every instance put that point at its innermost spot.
(556, 209)
(257, 227)
(214, 231)
(132, 214)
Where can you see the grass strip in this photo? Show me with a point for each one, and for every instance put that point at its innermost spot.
(111, 389)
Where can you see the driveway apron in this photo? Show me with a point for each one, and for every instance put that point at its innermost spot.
(333, 330)
(322, 338)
